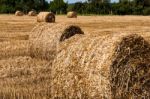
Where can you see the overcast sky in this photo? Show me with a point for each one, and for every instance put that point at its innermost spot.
(73, 1)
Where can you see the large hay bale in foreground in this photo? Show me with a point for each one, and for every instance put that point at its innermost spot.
(46, 17)
(32, 13)
(46, 38)
(72, 14)
(107, 67)
(19, 13)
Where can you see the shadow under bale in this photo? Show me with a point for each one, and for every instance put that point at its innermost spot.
(107, 67)
(46, 38)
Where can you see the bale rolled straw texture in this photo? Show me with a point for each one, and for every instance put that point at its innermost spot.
(32, 13)
(72, 14)
(107, 67)
(46, 38)
(19, 13)
(46, 17)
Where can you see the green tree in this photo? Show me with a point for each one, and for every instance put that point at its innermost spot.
(10, 6)
(58, 6)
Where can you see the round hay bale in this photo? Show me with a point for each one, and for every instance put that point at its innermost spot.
(107, 67)
(19, 13)
(32, 13)
(72, 14)
(46, 38)
(46, 17)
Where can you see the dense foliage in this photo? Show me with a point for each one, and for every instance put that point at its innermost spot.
(123, 7)
(10, 6)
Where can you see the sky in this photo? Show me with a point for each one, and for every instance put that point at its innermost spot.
(73, 1)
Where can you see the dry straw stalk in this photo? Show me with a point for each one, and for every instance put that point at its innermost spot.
(14, 48)
(24, 78)
(46, 38)
(107, 67)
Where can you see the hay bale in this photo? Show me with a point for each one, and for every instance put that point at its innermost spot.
(107, 67)
(32, 13)
(19, 13)
(46, 38)
(10, 49)
(46, 17)
(72, 14)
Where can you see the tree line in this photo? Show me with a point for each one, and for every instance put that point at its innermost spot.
(104, 7)
(10, 6)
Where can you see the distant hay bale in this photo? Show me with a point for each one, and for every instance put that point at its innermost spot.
(46, 17)
(72, 14)
(107, 67)
(19, 13)
(10, 49)
(32, 13)
(46, 38)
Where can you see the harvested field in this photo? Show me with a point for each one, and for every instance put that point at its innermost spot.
(104, 24)
(10, 49)
(24, 78)
(15, 24)
(108, 61)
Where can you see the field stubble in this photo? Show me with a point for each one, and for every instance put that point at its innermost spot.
(24, 77)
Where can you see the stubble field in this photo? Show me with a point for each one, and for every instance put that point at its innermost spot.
(24, 77)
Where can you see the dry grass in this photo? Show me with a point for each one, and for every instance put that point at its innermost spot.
(14, 48)
(24, 78)
(12, 24)
(80, 58)
(89, 24)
